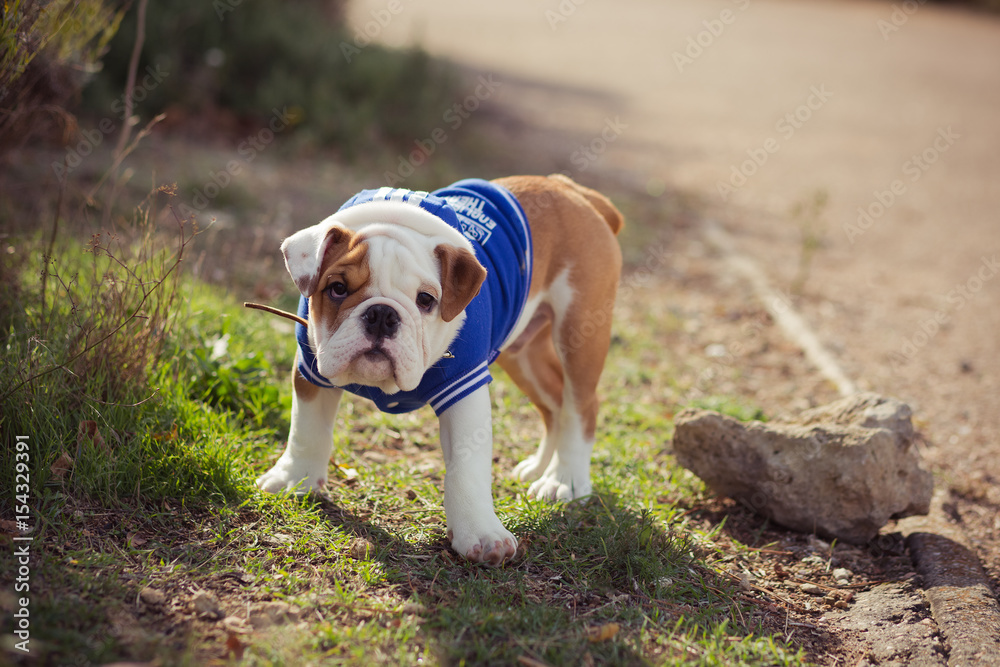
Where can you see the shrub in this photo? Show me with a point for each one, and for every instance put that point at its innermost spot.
(93, 327)
(46, 51)
(253, 56)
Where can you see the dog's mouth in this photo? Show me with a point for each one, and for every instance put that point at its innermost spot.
(375, 365)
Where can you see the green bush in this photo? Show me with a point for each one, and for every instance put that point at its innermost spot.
(254, 56)
(47, 48)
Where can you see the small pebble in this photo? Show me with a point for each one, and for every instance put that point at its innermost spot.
(842, 574)
(811, 589)
(362, 549)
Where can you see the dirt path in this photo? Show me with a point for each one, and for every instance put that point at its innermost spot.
(758, 105)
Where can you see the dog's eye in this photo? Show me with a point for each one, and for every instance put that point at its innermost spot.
(426, 301)
(337, 290)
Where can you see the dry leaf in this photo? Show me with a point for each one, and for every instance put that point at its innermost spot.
(61, 467)
(234, 647)
(530, 662)
(88, 431)
(602, 633)
(349, 474)
(168, 436)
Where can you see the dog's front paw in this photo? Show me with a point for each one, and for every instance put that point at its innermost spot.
(530, 469)
(293, 476)
(491, 547)
(561, 484)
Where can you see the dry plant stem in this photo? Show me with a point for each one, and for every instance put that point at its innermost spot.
(123, 138)
(133, 67)
(134, 315)
(118, 159)
(48, 251)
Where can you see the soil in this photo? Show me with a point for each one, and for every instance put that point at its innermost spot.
(850, 148)
(595, 90)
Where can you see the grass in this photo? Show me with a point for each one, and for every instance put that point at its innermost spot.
(169, 419)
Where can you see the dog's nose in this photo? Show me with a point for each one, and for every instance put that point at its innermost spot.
(381, 321)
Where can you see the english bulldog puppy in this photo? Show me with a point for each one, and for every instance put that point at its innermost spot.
(410, 296)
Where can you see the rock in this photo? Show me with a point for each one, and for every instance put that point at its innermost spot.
(206, 604)
(811, 589)
(842, 575)
(236, 624)
(892, 626)
(268, 614)
(841, 470)
(152, 596)
(362, 549)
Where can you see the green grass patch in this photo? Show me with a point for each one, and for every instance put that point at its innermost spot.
(153, 543)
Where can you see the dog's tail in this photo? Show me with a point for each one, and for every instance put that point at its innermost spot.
(614, 218)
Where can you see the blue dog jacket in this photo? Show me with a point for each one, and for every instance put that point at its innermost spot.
(491, 217)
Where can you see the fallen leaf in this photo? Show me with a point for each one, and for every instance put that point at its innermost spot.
(234, 647)
(61, 467)
(87, 431)
(349, 474)
(167, 436)
(235, 624)
(531, 662)
(602, 633)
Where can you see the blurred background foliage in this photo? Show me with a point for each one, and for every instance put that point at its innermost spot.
(233, 62)
(223, 67)
(48, 50)
(220, 67)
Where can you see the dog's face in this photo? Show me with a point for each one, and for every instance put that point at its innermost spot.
(385, 299)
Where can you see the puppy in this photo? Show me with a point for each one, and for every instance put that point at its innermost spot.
(410, 296)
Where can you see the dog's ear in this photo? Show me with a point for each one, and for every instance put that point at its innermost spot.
(307, 251)
(461, 277)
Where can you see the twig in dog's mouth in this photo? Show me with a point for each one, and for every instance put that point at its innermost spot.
(277, 311)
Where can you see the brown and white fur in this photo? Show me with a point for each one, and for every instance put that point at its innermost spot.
(427, 275)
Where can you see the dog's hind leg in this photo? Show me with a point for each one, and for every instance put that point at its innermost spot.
(535, 367)
(581, 338)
